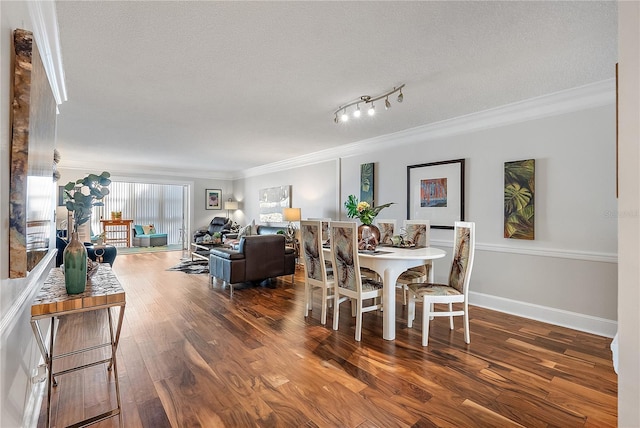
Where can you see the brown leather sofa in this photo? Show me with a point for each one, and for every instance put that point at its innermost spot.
(258, 257)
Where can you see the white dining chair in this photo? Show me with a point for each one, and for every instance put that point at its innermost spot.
(316, 276)
(349, 284)
(416, 233)
(457, 289)
(387, 229)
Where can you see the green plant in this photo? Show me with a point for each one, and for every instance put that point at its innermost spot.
(84, 194)
(362, 210)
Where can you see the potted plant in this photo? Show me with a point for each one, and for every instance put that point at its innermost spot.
(82, 195)
(368, 234)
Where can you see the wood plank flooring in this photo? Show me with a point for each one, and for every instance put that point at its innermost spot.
(190, 356)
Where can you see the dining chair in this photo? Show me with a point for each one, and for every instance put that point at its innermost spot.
(325, 237)
(387, 229)
(456, 291)
(348, 283)
(416, 233)
(315, 272)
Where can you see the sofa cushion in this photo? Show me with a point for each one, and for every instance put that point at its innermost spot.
(227, 253)
(138, 229)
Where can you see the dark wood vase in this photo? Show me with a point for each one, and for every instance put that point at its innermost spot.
(368, 237)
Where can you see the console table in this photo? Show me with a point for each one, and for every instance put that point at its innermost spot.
(117, 231)
(103, 292)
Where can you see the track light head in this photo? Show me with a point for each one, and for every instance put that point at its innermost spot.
(340, 115)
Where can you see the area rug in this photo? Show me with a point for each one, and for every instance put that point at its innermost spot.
(188, 266)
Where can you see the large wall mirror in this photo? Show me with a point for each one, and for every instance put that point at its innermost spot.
(32, 196)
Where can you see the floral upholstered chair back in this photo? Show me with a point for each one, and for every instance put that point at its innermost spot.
(325, 228)
(387, 230)
(417, 232)
(346, 269)
(313, 258)
(463, 252)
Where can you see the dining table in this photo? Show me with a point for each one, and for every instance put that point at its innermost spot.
(389, 262)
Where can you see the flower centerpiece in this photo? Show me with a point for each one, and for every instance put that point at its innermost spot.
(368, 234)
(363, 210)
(82, 195)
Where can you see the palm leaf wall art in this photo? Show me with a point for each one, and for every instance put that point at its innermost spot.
(367, 180)
(519, 185)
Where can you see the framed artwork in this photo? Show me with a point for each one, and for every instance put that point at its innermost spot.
(213, 199)
(272, 200)
(367, 183)
(435, 192)
(519, 186)
(33, 131)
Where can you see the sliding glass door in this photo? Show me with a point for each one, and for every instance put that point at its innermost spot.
(163, 205)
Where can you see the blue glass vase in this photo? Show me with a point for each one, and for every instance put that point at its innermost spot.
(74, 258)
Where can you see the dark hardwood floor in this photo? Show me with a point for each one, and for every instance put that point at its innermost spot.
(190, 356)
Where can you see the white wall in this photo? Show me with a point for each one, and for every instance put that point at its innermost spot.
(568, 274)
(313, 190)
(629, 218)
(18, 353)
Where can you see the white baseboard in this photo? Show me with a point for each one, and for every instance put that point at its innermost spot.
(574, 320)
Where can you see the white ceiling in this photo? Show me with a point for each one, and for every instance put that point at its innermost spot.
(218, 87)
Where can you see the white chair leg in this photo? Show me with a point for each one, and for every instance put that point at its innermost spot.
(431, 309)
(450, 316)
(336, 311)
(404, 294)
(359, 320)
(411, 312)
(465, 317)
(354, 307)
(323, 317)
(306, 300)
(426, 316)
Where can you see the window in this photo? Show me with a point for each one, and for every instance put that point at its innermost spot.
(162, 205)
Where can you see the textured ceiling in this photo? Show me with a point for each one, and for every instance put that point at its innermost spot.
(227, 86)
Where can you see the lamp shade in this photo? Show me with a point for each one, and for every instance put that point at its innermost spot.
(291, 214)
(231, 205)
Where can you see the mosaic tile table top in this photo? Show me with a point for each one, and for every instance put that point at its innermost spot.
(103, 289)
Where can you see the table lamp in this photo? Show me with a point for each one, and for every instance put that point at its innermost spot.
(291, 215)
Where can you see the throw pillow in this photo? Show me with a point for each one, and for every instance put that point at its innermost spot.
(244, 231)
(147, 229)
(254, 228)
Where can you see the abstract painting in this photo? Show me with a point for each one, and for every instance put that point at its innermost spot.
(433, 192)
(272, 200)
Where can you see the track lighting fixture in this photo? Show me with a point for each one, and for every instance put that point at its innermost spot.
(366, 99)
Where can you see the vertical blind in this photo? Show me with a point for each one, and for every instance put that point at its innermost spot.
(159, 204)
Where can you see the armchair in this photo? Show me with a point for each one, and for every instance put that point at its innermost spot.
(218, 224)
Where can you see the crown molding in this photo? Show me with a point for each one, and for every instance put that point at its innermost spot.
(583, 97)
(45, 31)
(146, 171)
